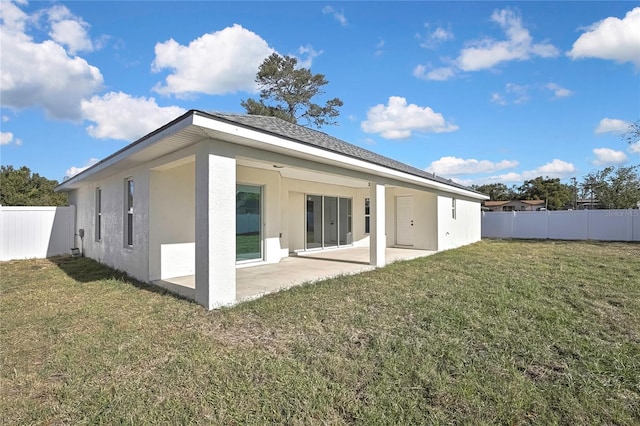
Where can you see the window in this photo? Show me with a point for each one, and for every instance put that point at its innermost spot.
(98, 214)
(453, 208)
(367, 216)
(128, 207)
(248, 223)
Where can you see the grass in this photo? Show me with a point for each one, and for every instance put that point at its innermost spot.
(497, 332)
(248, 246)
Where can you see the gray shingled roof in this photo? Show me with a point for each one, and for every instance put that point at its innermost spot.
(315, 138)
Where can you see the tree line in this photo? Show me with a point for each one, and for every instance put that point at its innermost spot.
(609, 188)
(21, 187)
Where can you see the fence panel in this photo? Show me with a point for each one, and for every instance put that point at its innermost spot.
(497, 225)
(529, 225)
(36, 232)
(568, 225)
(602, 225)
(615, 225)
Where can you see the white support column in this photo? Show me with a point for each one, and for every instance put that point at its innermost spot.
(377, 237)
(215, 227)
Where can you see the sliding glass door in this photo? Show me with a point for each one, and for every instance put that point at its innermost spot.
(344, 211)
(248, 223)
(328, 222)
(314, 221)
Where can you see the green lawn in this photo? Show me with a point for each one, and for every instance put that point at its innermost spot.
(497, 332)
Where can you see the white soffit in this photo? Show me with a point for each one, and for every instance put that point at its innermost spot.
(298, 173)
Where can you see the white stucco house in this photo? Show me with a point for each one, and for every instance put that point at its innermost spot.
(208, 193)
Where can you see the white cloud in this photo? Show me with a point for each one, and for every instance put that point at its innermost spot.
(306, 55)
(73, 170)
(554, 169)
(448, 166)
(379, 47)
(519, 46)
(612, 38)
(121, 116)
(338, 16)
(558, 91)
(608, 157)
(497, 98)
(487, 53)
(464, 182)
(6, 138)
(634, 148)
(437, 74)
(612, 125)
(434, 38)
(69, 30)
(41, 73)
(513, 94)
(397, 120)
(369, 141)
(216, 63)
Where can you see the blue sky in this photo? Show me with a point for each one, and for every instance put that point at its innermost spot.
(479, 92)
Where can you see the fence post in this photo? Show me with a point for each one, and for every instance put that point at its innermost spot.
(546, 225)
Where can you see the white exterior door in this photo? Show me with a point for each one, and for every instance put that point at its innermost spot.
(404, 221)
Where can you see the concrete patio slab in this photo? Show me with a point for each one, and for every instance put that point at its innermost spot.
(255, 281)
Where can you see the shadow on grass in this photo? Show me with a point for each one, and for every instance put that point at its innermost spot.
(85, 270)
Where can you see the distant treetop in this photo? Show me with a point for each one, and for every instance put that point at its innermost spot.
(286, 92)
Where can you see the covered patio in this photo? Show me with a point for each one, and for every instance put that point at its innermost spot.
(256, 281)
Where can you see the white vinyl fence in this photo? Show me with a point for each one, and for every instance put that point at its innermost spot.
(602, 225)
(36, 232)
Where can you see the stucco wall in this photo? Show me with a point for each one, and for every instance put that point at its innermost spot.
(464, 229)
(424, 217)
(172, 225)
(111, 249)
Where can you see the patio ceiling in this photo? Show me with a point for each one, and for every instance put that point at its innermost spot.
(298, 173)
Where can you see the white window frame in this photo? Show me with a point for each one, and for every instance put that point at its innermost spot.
(129, 190)
(453, 209)
(98, 214)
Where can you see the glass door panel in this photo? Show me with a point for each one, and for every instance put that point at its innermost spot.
(248, 222)
(330, 221)
(314, 221)
(344, 223)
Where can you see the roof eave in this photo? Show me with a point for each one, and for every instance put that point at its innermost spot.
(170, 128)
